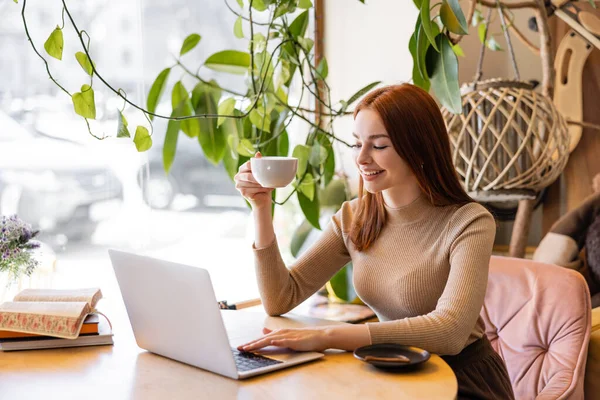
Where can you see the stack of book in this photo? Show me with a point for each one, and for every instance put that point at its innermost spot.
(45, 319)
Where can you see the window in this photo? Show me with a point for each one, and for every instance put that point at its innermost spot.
(87, 195)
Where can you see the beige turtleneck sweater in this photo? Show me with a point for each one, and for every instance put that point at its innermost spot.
(425, 276)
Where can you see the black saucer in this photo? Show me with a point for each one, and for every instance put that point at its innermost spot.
(398, 356)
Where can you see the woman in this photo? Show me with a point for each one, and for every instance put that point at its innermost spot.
(420, 247)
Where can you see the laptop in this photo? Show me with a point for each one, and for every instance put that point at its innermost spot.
(174, 313)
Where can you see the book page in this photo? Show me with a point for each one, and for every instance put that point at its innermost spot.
(89, 295)
(64, 309)
(59, 319)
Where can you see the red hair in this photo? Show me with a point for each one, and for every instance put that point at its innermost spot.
(418, 133)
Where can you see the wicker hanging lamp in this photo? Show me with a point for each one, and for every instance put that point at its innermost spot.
(510, 142)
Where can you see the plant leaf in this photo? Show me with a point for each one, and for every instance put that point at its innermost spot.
(170, 144)
(85, 63)
(305, 4)
(477, 18)
(318, 155)
(322, 68)
(182, 107)
(427, 24)
(310, 208)
(444, 75)
(225, 108)
(189, 43)
(481, 32)
(260, 120)
(84, 102)
(212, 141)
(361, 92)
(156, 90)
(237, 28)
(240, 3)
(298, 26)
(493, 45)
(142, 139)
(232, 61)
(259, 5)
(299, 237)
(54, 44)
(423, 44)
(418, 79)
(453, 17)
(458, 50)
(245, 148)
(302, 153)
(122, 130)
(307, 187)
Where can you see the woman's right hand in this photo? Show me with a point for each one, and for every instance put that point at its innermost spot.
(246, 184)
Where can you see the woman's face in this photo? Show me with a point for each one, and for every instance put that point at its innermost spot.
(378, 162)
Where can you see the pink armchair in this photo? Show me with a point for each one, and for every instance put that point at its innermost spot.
(538, 318)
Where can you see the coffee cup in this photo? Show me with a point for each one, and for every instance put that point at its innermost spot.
(274, 172)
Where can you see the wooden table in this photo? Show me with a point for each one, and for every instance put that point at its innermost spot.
(124, 371)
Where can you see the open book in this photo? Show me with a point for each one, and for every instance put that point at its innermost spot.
(49, 312)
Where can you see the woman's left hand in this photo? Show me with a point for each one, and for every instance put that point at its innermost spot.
(302, 339)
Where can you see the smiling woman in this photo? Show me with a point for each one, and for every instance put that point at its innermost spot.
(420, 247)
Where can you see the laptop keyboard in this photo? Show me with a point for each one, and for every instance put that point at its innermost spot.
(248, 361)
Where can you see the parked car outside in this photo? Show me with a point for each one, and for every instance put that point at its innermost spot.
(190, 174)
(58, 186)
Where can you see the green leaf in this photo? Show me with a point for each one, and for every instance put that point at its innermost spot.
(156, 90)
(85, 63)
(283, 144)
(232, 61)
(237, 28)
(182, 107)
(422, 47)
(259, 43)
(84, 102)
(307, 186)
(592, 2)
(170, 144)
(306, 43)
(260, 120)
(122, 130)
(54, 44)
(477, 18)
(298, 26)
(142, 139)
(458, 50)
(302, 153)
(245, 148)
(481, 32)
(418, 79)
(428, 24)
(453, 17)
(212, 141)
(299, 237)
(444, 75)
(418, 3)
(318, 155)
(240, 3)
(493, 45)
(334, 194)
(189, 43)
(259, 5)
(361, 92)
(310, 208)
(305, 4)
(225, 108)
(322, 68)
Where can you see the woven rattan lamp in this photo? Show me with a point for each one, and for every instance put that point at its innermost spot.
(510, 142)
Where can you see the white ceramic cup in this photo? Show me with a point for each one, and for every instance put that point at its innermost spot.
(274, 172)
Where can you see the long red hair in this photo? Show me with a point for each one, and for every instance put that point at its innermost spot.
(416, 128)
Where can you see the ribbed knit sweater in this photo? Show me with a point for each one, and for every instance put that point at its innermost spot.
(425, 276)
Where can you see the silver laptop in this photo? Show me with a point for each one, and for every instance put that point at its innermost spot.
(174, 313)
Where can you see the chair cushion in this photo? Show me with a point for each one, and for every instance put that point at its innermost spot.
(538, 318)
